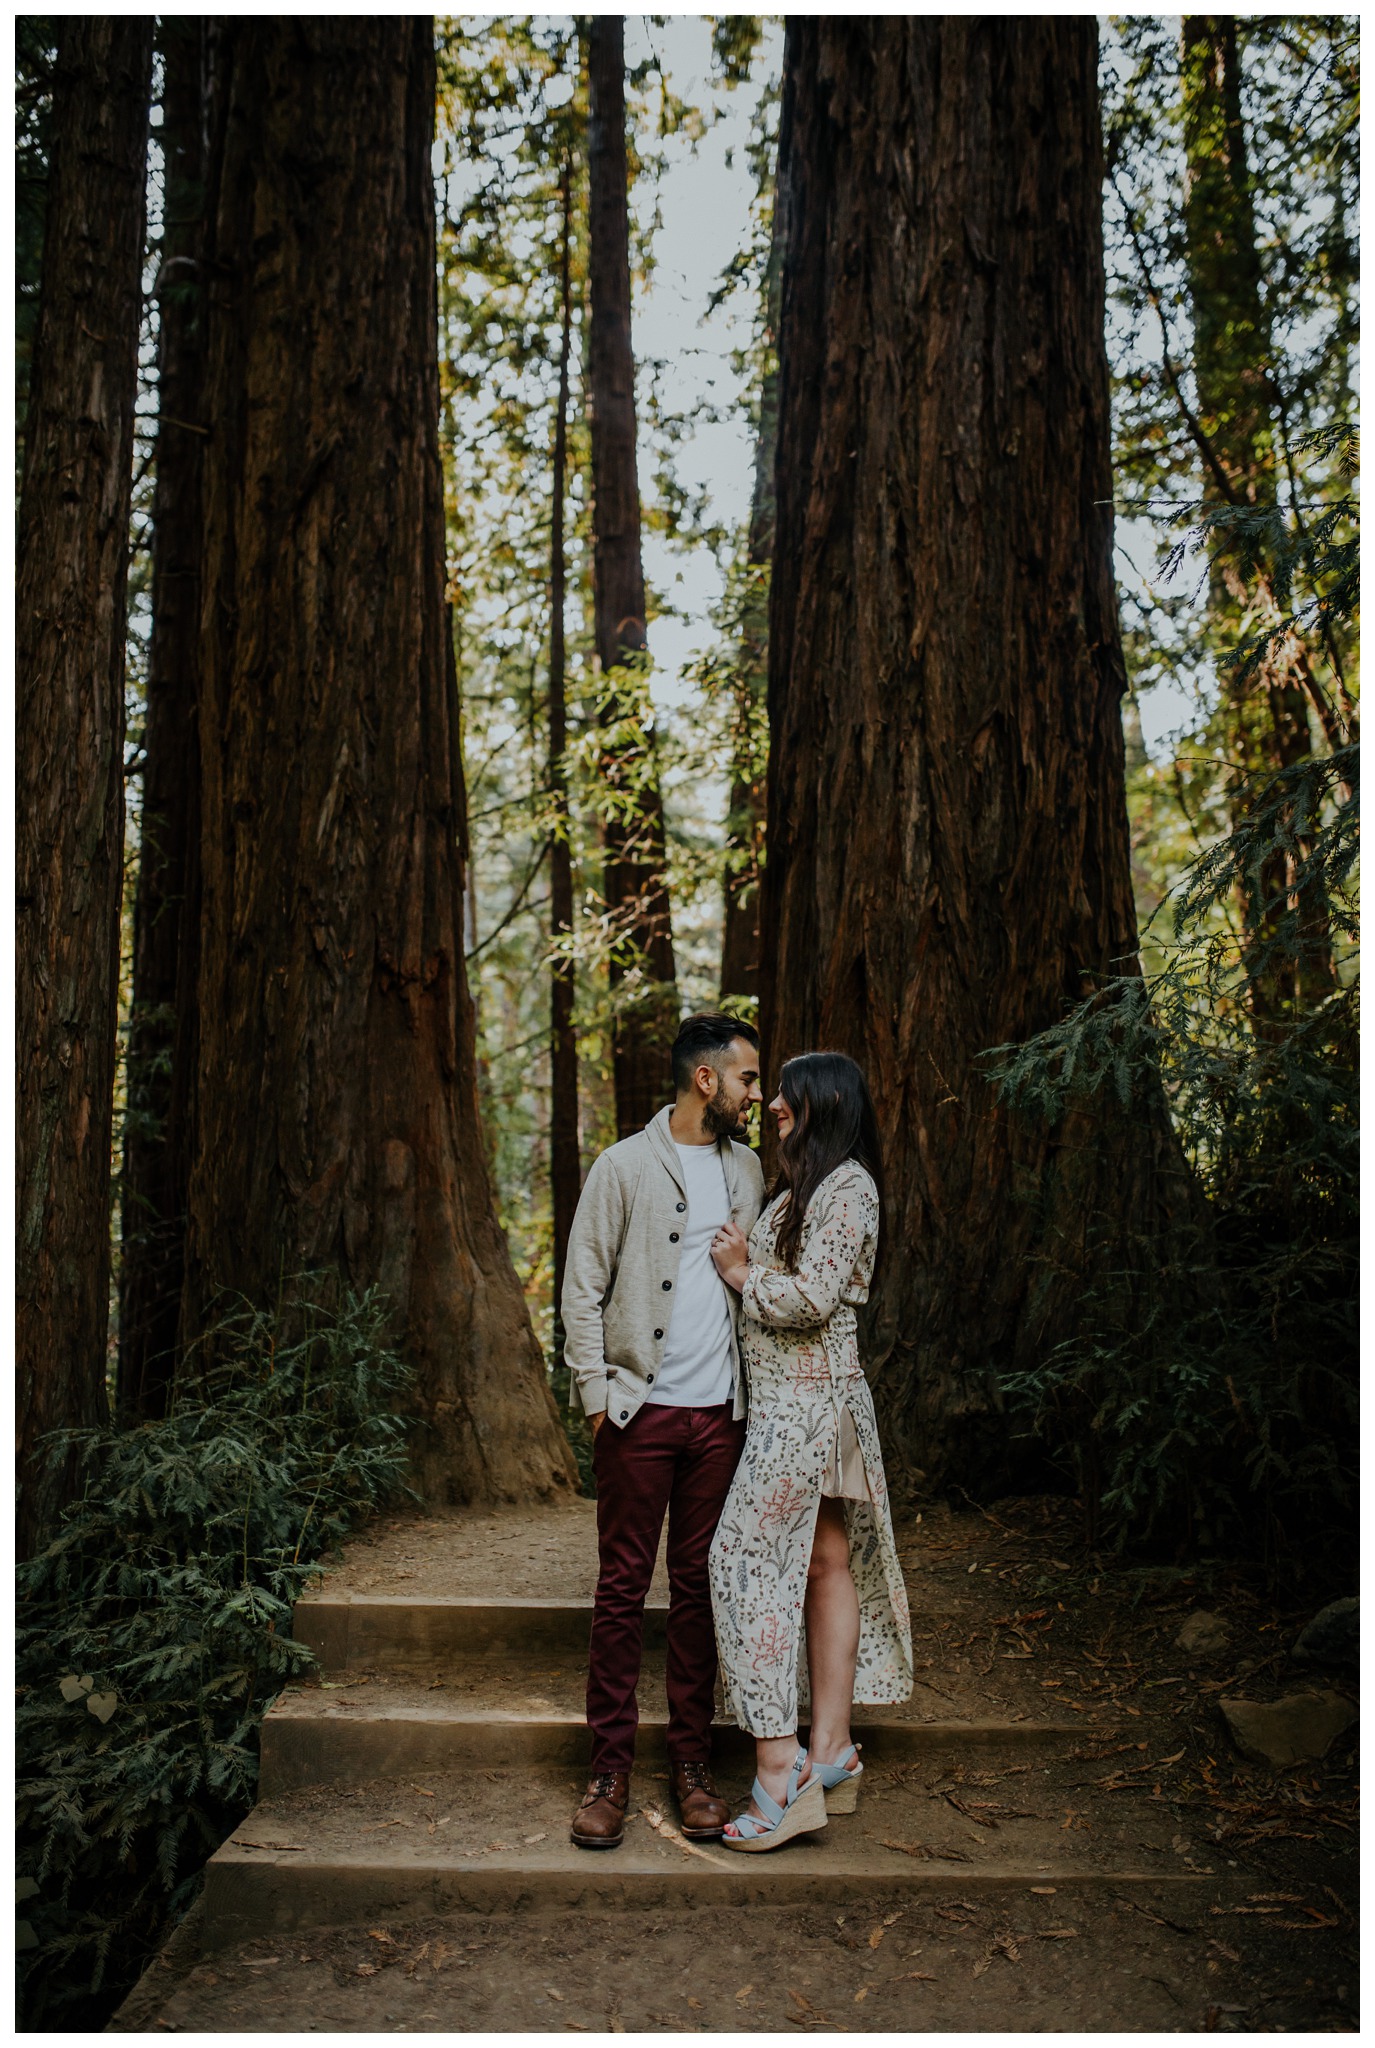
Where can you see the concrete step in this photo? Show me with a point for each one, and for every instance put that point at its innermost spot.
(489, 1840)
(400, 1632)
(318, 1736)
(496, 1840)
(251, 1892)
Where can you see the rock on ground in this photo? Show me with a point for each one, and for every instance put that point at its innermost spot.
(1287, 1731)
(1202, 1634)
(1333, 1636)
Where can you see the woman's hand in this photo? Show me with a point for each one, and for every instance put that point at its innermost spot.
(730, 1255)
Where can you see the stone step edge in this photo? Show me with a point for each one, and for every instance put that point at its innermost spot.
(351, 1631)
(311, 1707)
(303, 1745)
(251, 1892)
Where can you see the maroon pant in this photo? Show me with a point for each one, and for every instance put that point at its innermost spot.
(681, 1460)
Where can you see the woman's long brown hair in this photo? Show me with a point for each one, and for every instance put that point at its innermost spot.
(833, 1121)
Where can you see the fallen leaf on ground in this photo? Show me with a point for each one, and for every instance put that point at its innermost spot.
(537, 1838)
(552, 1993)
(876, 1937)
(919, 1976)
(860, 1996)
(1043, 1891)
(743, 1992)
(890, 1918)
(671, 1834)
(366, 1970)
(981, 1966)
(696, 2004)
(1058, 1934)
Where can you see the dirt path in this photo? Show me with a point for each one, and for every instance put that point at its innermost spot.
(1010, 1621)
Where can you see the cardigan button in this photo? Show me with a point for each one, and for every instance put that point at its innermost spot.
(625, 1415)
(673, 1237)
(658, 1333)
(667, 1285)
(680, 1206)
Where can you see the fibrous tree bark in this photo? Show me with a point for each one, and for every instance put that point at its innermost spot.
(70, 631)
(336, 1122)
(745, 819)
(158, 1068)
(948, 862)
(1237, 405)
(636, 884)
(565, 1163)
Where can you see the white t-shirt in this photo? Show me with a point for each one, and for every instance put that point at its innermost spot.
(694, 1371)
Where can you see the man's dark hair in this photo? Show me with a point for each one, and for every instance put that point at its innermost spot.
(699, 1037)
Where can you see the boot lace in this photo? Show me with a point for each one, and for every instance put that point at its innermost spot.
(696, 1777)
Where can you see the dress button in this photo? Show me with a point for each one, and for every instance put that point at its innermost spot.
(673, 1237)
(651, 1379)
(658, 1333)
(667, 1285)
(680, 1206)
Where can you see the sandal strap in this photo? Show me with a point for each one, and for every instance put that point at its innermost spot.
(768, 1805)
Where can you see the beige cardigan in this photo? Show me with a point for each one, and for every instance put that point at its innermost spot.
(623, 1254)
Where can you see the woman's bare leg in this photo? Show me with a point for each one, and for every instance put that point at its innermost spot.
(832, 1610)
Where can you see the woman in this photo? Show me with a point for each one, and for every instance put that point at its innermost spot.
(805, 1542)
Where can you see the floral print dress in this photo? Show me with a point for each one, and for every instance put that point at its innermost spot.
(811, 1431)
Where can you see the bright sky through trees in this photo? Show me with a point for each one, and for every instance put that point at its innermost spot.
(703, 203)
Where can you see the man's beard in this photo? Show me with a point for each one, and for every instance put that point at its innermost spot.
(721, 1122)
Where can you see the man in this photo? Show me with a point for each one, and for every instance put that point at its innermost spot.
(651, 1341)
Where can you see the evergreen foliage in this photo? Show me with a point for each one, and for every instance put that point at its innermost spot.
(155, 1629)
(1218, 1406)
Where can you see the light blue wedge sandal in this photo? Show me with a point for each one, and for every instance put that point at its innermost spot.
(802, 1813)
(841, 1782)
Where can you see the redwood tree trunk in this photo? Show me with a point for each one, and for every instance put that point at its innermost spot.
(336, 1120)
(947, 830)
(565, 1160)
(642, 969)
(69, 633)
(156, 1156)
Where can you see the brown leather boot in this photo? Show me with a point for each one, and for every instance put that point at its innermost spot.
(599, 1822)
(703, 1811)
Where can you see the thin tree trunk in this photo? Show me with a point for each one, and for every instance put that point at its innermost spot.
(565, 1161)
(156, 1158)
(748, 802)
(1236, 396)
(70, 632)
(948, 857)
(642, 967)
(336, 1119)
